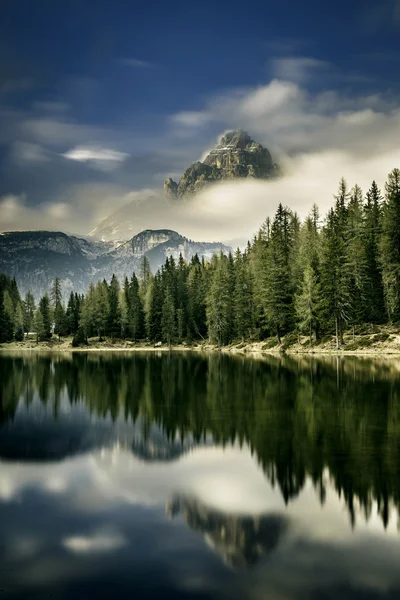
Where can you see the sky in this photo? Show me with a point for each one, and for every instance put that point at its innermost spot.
(99, 101)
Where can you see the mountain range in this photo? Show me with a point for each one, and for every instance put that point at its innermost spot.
(35, 258)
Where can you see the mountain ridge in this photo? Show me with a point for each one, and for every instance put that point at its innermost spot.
(36, 258)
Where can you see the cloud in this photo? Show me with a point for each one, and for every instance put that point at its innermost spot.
(86, 154)
(137, 63)
(99, 541)
(297, 68)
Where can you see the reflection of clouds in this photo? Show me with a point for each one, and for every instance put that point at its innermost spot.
(99, 541)
(319, 554)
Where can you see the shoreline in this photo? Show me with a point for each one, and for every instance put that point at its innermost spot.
(386, 349)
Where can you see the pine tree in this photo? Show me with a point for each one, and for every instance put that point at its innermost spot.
(307, 303)
(114, 317)
(44, 307)
(356, 260)
(242, 299)
(100, 309)
(375, 304)
(136, 314)
(218, 301)
(196, 302)
(19, 323)
(279, 293)
(123, 313)
(168, 323)
(335, 288)
(154, 308)
(59, 318)
(39, 326)
(390, 246)
(29, 311)
(9, 314)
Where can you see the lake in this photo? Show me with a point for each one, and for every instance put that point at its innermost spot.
(185, 475)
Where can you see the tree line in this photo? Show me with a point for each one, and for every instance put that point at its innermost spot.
(310, 277)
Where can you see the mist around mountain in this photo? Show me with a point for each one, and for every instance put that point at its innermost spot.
(237, 157)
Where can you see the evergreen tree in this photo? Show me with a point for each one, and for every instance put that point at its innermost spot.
(136, 314)
(59, 317)
(218, 301)
(154, 310)
(356, 260)
(307, 303)
(242, 299)
(375, 305)
(19, 323)
(279, 293)
(101, 316)
(123, 313)
(72, 313)
(44, 307)
(114, 317)
(196, 302)
(9, 314)
(390, 246)
(168, 323)
(29, 311)
(39, 326)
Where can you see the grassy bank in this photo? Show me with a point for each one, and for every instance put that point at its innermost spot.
(370, 340)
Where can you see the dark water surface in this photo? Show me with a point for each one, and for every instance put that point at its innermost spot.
(191, 476)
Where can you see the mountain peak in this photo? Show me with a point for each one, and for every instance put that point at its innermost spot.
(236, 156)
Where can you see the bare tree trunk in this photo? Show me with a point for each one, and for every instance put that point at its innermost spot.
(354, 334)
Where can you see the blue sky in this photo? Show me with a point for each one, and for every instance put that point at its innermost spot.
(115, 96)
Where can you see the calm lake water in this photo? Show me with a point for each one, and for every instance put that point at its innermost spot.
(191, 476)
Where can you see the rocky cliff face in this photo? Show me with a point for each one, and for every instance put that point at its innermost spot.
(241, 540)
(35, 258)
(236, 156)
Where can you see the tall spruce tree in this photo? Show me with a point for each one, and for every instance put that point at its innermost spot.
(168, 321)
(45, 309)
(219, 301)
(135, 308)
(390, 246)
(375, 304)
(29, 311)
(242, 299)
(279, 292)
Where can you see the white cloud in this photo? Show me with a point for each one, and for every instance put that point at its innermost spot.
(191, 118)
(85, 154)
(99, 541)
(297, 68)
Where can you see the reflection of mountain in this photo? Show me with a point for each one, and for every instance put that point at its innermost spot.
(240, 540)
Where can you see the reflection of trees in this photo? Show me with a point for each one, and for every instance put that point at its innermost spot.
(241, 540)
(299, 417)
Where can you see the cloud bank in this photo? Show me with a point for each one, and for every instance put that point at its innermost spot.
(317, 137)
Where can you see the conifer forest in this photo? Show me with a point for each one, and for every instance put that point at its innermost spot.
(316, 276)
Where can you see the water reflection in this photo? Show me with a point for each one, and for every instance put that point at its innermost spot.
(252, 460)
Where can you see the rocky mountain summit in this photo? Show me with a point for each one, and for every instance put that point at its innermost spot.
(236, 156)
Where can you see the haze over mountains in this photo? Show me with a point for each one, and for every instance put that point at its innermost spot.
(236, 157)
(120, 241)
